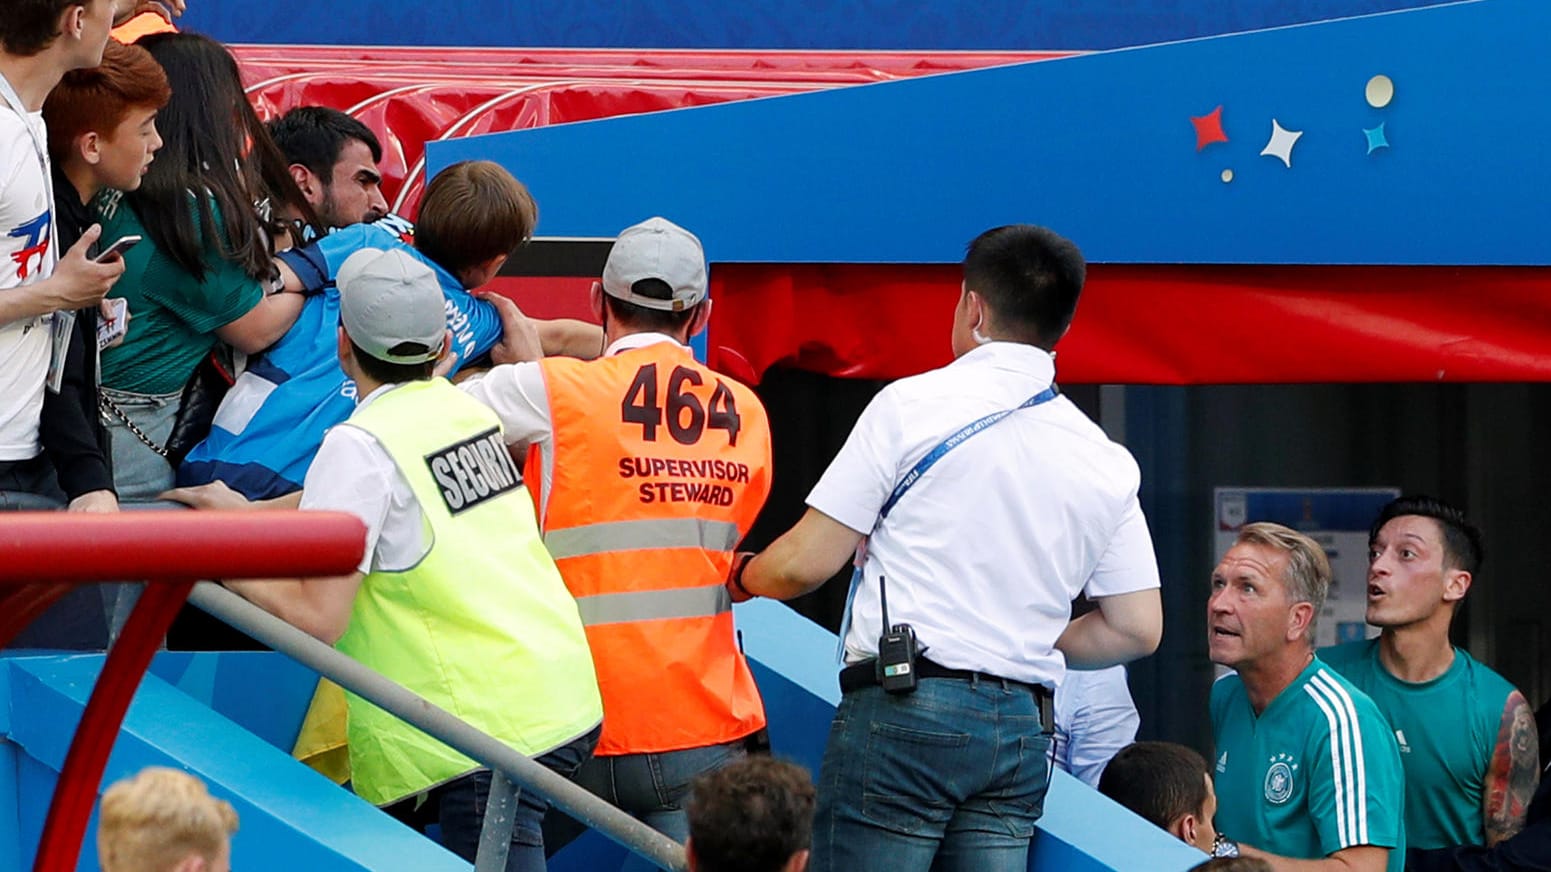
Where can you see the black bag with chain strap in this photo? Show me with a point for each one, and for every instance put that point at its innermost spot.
(196, 409)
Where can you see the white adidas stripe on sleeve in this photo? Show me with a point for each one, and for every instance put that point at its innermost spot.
(1347, 761)
(1345, 699)
(1338, 777)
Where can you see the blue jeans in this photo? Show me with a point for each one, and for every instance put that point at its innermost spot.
(139, 473)
(461, 808)
(654, 787)
(950, 778)
(29, 486)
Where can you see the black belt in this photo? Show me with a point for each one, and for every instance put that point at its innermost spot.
(865, 674)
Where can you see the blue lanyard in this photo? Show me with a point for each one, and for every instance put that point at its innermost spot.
(914, 475)
(954, 441)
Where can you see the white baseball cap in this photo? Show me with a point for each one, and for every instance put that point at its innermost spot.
(656, 249)
(392, 306)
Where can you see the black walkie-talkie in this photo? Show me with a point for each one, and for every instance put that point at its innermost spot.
(896, 650)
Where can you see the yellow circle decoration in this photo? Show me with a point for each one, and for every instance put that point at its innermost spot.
(1380, 91)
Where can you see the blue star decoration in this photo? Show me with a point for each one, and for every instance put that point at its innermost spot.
(1376, 138)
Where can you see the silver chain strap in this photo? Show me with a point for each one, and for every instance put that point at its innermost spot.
(109, 410)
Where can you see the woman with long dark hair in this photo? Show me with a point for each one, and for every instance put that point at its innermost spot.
(204, 272)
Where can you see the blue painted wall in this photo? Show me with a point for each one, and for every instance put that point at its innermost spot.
(1102, 147)
(778, 24)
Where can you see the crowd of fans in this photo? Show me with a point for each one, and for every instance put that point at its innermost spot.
(200, 308)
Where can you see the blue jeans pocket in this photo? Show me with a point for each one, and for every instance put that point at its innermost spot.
(1030, 782)
(674, 771)
(908, 786)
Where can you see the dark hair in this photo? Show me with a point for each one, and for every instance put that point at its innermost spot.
(1233, 864)
(313, 136)
(97, 99)
(390, 373)
(751, 816)
(1461, 540)
(1160, 781)
(1030, 277)
(638, 317)
(217, 160)
(472, 211)
(30, 26)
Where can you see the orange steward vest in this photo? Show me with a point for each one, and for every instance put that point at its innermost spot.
(144, 24)
(659, 466)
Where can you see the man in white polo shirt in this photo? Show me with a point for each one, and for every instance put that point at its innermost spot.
(988, 502)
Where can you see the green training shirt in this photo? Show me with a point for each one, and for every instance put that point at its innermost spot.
(1446, 728)
(172, 315)
(1315, 773)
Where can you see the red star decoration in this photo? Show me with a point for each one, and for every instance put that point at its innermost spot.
(1209, 128)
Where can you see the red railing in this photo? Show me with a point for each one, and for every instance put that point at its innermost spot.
(45, 554)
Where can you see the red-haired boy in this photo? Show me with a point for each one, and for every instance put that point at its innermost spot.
(101, 135)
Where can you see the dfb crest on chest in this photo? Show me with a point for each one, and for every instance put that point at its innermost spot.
(1281, 778)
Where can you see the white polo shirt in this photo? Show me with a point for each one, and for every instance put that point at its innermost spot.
(353, 473)
(986, 552)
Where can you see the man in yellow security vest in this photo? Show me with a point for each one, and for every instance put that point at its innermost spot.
(649, 468)
(456, 598)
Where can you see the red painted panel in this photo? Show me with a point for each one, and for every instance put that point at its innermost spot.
(1141, 324)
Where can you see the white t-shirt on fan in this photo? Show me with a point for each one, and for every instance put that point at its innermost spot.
(26, 255)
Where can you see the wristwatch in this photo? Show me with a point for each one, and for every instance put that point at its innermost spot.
(1223, 846)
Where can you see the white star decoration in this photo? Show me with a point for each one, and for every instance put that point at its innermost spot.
(1282, 142)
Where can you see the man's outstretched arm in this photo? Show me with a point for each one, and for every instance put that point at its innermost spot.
(1358, 858)
(803, 558)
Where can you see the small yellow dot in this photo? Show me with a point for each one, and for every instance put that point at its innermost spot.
(1380, 91)
(1227, 176)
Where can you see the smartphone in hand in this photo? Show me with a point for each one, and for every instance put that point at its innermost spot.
(117, 249)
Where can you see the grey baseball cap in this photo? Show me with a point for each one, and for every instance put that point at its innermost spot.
(392, 305)
(656, 249)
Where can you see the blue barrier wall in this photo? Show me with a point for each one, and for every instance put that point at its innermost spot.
(1102, 146)
(291, 817)
(294, 818)
(1081, 831)
(777, 24)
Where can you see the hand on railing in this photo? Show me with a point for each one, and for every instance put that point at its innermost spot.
(215, 495)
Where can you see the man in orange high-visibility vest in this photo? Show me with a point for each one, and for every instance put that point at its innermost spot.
(648, 468)
(136, 18)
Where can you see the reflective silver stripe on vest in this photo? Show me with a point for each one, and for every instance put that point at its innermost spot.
(641, 535)
(652, 605)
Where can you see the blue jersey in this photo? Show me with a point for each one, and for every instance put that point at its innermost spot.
(270, 424)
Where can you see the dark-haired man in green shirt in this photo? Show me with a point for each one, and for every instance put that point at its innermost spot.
(1467, 737)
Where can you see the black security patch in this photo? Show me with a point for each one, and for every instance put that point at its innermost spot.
(474, 471)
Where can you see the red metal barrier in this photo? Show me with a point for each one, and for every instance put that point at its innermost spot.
(43, 554)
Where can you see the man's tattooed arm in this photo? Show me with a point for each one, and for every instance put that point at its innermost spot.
(1513, 773)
